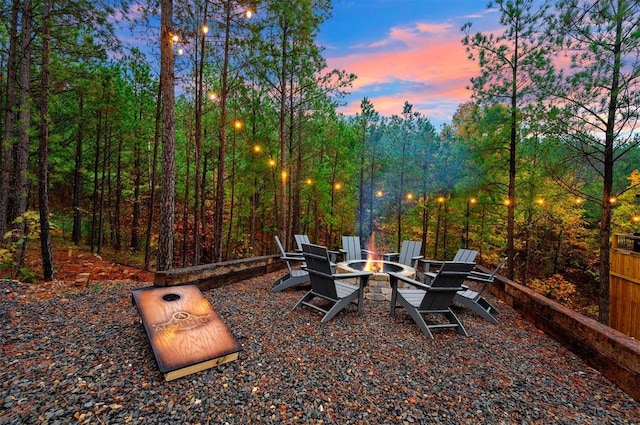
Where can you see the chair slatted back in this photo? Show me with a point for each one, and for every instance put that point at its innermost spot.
(319, 267)
(351, 247)
(409, 250)
(445, 285)
(301, 240)
(465, 256)
(282, 252)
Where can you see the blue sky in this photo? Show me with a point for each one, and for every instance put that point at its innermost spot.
(405, 50)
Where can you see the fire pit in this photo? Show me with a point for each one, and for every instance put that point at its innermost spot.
(378, 287)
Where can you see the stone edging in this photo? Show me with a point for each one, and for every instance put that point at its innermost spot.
(612, 353)
(209, 276)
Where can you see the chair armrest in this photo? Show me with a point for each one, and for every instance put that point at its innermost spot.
(333, 255)
(414, 261)
(429, 276)
(389, 255)
(481, 277)
(427, 263)
(434, 262)
(408, 280)
(364, 253)
(292, 257)
(351, 275)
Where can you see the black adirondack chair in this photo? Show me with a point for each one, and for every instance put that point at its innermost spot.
(329, 286)
(296, 274)
(474, 300)
(462, 256)
(409, 254)
(435, 298)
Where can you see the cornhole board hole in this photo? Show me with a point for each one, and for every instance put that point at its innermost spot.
(186, 334)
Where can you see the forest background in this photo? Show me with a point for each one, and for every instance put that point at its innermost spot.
(220, 131)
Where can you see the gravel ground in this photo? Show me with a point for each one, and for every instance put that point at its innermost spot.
(84, 358)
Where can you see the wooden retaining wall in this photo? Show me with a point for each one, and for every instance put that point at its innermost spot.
(612, 353)
(209, 276)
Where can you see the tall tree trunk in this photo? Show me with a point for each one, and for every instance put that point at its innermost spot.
(103, 181)
(137, 177)
(201, 208)
(198, 141)
(513, 143)
(8, 137)
(167, 78)
(152, 183)
(400, 194)
(296, 180)
(22, 152)
(372, 190)
(232, 195)
(118, 200)
(218, 216)
(43, 190)
(76, 233)
(283, 230)
(609, 161)
(96, 167)
(292, 175)
(185, 207)
(361, 187)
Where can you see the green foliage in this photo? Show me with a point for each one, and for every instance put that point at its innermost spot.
(555, 287)
(26, 228)
(626, 214)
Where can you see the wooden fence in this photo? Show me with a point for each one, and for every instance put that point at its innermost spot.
(624, 285)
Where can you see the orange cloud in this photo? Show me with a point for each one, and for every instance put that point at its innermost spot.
(427, 64)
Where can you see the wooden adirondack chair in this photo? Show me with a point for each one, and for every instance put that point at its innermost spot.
(431, 299)
(329, 286)
(409, 254)
(304, 240)
(462, 256)
(296, 275)
(474, 300)
(351, 249)
(300, 240)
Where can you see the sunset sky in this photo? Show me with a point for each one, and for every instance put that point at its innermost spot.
(405, 50)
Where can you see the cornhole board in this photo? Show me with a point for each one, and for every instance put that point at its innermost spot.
(186, 334)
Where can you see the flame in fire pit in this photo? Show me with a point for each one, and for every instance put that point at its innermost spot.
(373, 263)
